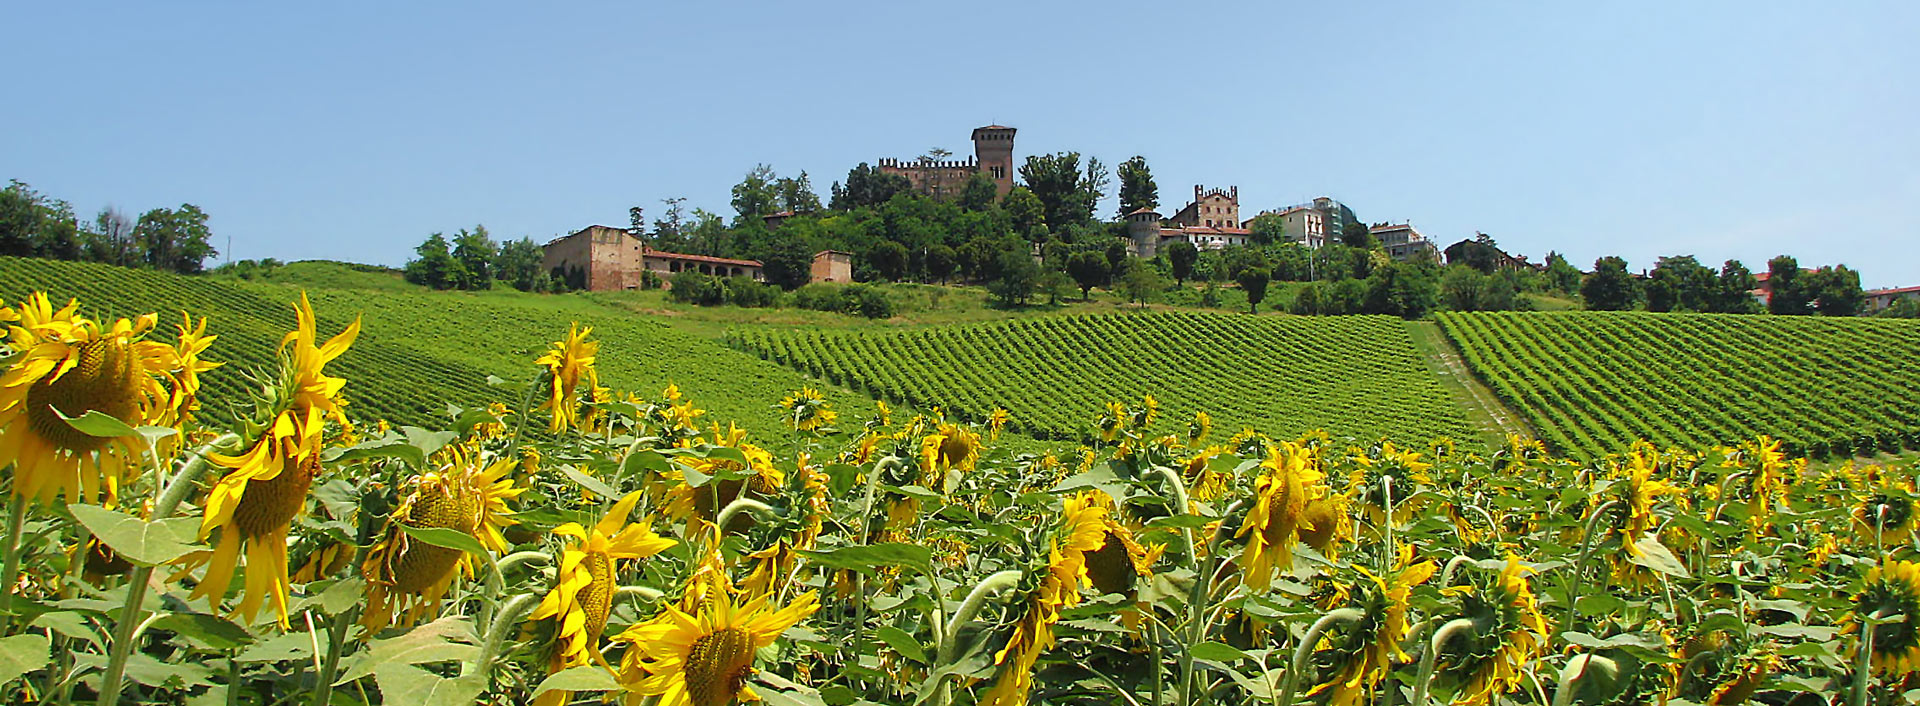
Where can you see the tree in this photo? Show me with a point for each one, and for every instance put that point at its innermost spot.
(1054, 283)
(1480, 253)
(868, 186)
(979, 193)
(796, 195)
(1137, 190)
(1182, 255)
(34, 225)
(1609, 288)
(177, 240)
(636, 221)
(889, 259)
(1267, 228)
(1836, 291)
(518, 264)
(1306, 300)
(1016, 279)
(787, 263)
(1140, 283)
(1253, 281)
(1357, 235)
(1733, 291)
(1400, 289)
(475, 252)
(940, 261)
(110, 239)
(1089, 269)
(669, 233)
(1028, 215)
(755, 196)
(1789, 296)
(1679, 282)
(435, 267)
(1067, 195)
(1562, 277)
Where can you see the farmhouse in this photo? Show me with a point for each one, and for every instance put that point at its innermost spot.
(606, 259)
(1878, 299)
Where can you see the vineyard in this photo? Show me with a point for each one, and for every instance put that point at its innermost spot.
(419, 351)
(1356, 376)
(1592, 382)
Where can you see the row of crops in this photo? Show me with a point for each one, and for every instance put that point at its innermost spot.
(418, 351)
(1590, 382)
(1357, 376)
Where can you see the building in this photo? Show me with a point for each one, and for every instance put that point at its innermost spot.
(992, 156)
(1211, 222)
(1878, 299)
(1402, 242)
(1763, 286)
(1303, 224)
(831, 266)
(608, 259)
(1334, 215)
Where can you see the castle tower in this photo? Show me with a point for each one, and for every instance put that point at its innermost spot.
(1143, 228)
(993, 150)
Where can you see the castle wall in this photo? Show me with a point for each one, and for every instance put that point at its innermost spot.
(951, 177)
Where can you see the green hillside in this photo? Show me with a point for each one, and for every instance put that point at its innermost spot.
(1591, 382)
(1357, 376)
(419, 350)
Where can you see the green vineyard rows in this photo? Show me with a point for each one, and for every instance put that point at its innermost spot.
(1591, 382)
(419, 350)
(1352, 376)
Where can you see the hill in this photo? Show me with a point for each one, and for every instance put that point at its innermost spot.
(420, 350)
(1592, 382)
(1357, 375)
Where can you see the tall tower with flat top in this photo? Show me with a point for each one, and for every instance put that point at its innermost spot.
(993, 149)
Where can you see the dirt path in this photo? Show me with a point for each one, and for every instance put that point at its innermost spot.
(1487, 411)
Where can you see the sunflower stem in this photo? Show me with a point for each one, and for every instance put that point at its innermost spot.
(866, 538)
(736, 507)
(176, 491)
(503, 622)
(1424, 680)
(1580, 563)
(1863, 668)
(336, 644)
(1305, 649)
(970, 608)
(1576, 670)
(16, 523)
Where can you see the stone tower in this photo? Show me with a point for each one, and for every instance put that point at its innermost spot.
(993, 149)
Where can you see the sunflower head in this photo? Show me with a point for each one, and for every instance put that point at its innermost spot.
(997, 421)
(584, 585)
(706, 656)
(465, 495)
(1287, 483)
(807, 410)
(1891, 589)
(571, 376)
(1508, 633)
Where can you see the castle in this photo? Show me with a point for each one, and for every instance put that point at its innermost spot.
(1210, 222)
(992, 156)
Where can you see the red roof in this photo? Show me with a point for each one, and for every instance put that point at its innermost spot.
(699, 258)
(1205, 230)
(1138, 211)
(1895, 290)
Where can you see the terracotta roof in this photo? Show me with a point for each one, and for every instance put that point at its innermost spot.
(993, 127)
(1139, 211)
(833, 252)
(1204, 230)
(699, 258)
(1894, 290)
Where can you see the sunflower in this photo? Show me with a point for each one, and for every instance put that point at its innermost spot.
(1635, 492)
(61, 363)
(959, 448)
(700, 506)
(465, 495)
(1764, 482)
(1204, 483)
(807, 410)
(568, 364)
(1388, 476)
(1199, 428)
(1144, 416)
(1083, 529)
(1886, 515)
(704, 657)
(1281, 495)
(266, 484)
(1719, 670)
(1508, 632)
(1892, 588)
(1328, 524)
(583, 587)
(1113, 421)
(996, 422)
(1120, 562)
(1361, 656)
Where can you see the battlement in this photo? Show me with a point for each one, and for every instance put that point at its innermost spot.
(1231, 193)
(968, 163)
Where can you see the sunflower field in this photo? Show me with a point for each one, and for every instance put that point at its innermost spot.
(1356, 375)
(1592, 382)
(573, 544)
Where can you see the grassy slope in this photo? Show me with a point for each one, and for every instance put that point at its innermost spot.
(419, 350)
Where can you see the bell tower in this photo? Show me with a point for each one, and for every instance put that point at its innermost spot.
(993, 150)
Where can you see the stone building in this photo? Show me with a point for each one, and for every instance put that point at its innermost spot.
(1403, 243)
(1305, 225)
(1211, 222)
(992, 156)
(831, 266)
(606, 259)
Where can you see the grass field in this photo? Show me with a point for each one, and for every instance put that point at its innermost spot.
(1591, 382)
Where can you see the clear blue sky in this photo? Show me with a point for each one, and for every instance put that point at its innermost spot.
(352, 130)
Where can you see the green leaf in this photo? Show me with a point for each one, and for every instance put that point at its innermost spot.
(136, 540)
(1225, 654)
(279, 648)
(903, 643)
(912, 491)
(20, 654)
(387, 447)
(645, 460)
(779, 691)
(589, 678)
(413, 686)
(206, 631)
(428, 442)
(1182, 521)
(693, 477)
(865, 559)
(1600, 604)
(97, 423)
(449, 538)
(1654, 555)
(591, 483)
(433, 642)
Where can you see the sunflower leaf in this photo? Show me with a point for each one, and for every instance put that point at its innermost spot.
(136, 540)
(1654, 555)
(576, 679)
(443, 537)
(1226, 654)
(97, 423)
(20, 654)
(404, 684)
(591, 483)
(442, 640)
(866, 559)
(903, 643)
(208, 631)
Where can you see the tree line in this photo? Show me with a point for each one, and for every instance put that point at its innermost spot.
(1682, 283)
(33, 224)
